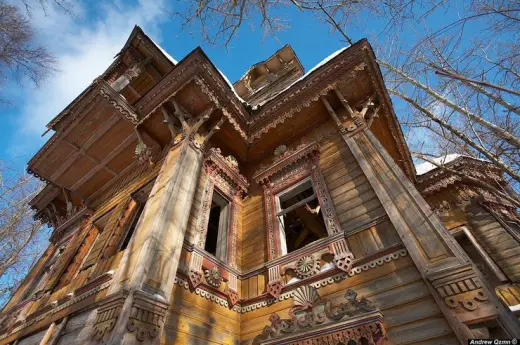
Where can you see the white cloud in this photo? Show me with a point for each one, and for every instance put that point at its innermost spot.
(84, 49)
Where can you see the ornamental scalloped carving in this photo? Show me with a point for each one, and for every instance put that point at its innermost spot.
(116, 100)
(147, 316)
(213, 277)
(144, 154)
(460, 287)
(307, 266)
(108, 313)
(280, 150)
(306, 296)
(354, 319)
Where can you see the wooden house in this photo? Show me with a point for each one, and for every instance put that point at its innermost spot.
(281, 209)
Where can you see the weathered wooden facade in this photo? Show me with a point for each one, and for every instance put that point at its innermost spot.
(283, 209)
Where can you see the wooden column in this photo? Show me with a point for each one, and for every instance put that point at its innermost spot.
(142, 287)
(457, 286)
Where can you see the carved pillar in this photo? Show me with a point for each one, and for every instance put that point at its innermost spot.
(456, 284)
(146, 274)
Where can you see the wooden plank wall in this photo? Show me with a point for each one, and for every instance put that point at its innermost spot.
(195, 320)
(355, 201)
(502, 247)
(253, 252)
(78, 329)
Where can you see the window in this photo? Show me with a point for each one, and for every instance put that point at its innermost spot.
(299, 217)
(130, 231)
(218, 221)
(140, 198)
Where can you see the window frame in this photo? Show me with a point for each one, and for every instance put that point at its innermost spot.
(224, 230)
(289, 169)
(280, 212)
(220, 174)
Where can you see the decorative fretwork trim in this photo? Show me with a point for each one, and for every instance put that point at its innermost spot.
(241, 308)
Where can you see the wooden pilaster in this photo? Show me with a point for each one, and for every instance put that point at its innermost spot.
(456, 284)
(148, 268)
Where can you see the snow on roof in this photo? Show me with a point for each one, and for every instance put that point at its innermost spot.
(223, 75)
(231, 86)
(425, 167)
(164, 52)
(321, 63)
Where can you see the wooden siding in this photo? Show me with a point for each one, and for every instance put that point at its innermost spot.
(355, 201)
(192, 319)
(253, 252)
(497, 241)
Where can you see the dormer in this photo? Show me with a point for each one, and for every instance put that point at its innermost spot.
(270, 76)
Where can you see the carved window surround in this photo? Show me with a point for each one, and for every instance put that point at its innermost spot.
(75, 216)
(314, 320)
(288, 168)
(222, 173)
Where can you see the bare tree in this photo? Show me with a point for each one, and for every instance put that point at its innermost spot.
(460, 87)
(21, 59)
(21, 236)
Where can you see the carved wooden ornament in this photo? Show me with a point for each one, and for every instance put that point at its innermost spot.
(316, 321)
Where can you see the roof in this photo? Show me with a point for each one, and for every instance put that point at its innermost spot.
(426, 167)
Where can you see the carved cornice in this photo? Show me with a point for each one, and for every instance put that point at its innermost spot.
(147, 316)
(198, 67)
(118, 102)
(439, 178)
(459, 287)
(284, 160)
(227, 168)
(108, 313)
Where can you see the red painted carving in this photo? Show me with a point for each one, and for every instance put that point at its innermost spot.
(232, 298)
(195, 279)
(344, 261)
(274, 288)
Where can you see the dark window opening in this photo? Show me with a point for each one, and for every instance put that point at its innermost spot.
(216, 237)
(130, 231)
(212, 235)
(140, 197)
(300, 218)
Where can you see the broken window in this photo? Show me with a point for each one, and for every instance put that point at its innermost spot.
(217, 233)
(299, 217)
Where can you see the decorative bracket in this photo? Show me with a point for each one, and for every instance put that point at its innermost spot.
(275, 285)
(195, 270)
(147, 316)
(343, 258)
(108, 313)
(232, 290)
